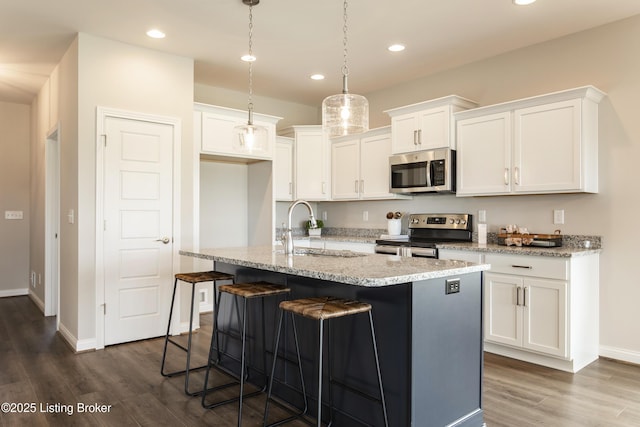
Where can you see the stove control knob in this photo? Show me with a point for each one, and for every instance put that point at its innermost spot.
(451, 221)
(463, 221)
(457, 221)
(415, 220)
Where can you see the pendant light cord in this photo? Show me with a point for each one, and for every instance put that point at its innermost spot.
(345, 67)
(250, 105)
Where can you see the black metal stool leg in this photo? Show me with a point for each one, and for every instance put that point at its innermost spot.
(320, 341)
(166, 337)
(375, 353)
(242, 360)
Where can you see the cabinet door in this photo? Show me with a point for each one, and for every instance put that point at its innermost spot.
(404, 130)
(546, 155)
(217, 133)
(345, 170)
(434, 129)
(283, 169)
(545, 316)
(312, 166)
(483, 155)
(503, 313)
(374, 167)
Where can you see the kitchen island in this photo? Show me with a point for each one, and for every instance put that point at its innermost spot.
(429, 330)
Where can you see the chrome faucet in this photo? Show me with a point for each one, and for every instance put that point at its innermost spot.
(288, 238)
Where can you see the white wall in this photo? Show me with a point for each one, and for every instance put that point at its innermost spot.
(14, 196)
(223, 204)
(606, 57)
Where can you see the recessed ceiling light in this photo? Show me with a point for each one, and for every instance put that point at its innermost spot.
(317, 77)
(396, 47)
(523, 2)
(248, 58)
(156, 34)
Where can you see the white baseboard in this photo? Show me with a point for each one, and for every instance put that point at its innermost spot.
(14, 292)
(76, 344)
(36, 300)
(620, 354)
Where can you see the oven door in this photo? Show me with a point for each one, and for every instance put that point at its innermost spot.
(407, 251)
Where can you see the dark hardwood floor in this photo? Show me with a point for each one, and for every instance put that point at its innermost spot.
(37, 367)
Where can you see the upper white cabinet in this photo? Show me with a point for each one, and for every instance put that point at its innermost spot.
(213, 128)
(283, 169)
(311, 164)
(426, 125)
(544, 144)
(360, 166)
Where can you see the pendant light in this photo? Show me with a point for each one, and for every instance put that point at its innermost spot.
(345, 113)
(249, 138)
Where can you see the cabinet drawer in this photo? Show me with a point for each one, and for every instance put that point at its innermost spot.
(534, 266)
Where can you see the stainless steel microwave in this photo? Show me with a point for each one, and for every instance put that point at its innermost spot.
(428, 171)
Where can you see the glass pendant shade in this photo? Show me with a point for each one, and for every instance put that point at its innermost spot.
(345, 114)
(251, 139)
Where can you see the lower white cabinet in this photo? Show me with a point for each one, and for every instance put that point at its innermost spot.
(540, 309)
(528, 313)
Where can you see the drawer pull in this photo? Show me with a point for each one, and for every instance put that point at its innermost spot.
(518, 296)
(528, 267)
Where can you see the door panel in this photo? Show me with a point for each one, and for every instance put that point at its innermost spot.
(138, 198)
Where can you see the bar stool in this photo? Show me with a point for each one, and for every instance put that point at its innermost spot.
(193, 279)
(321, 309)
(247, 291)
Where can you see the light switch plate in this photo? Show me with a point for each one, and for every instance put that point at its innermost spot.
(13, 215)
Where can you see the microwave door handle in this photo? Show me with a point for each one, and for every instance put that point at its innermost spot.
(429, 172)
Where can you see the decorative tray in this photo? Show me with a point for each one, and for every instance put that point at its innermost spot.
(532, 239)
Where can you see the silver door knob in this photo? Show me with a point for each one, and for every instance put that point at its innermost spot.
(164, 240)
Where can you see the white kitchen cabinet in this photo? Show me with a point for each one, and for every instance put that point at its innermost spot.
(545, 144)
(426, 125)
(311, 165)
(542, 310)
(360, 166)
(214, 131)
(283, 169)
(528, 313)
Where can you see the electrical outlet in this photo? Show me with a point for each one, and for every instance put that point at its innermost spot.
(324, 215)
(482, 215)
(558, 216)
(365, 215)
(452, 286)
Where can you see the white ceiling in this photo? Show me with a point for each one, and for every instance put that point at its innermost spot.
(292, 38)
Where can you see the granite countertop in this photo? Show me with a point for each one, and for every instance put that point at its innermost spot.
(561, 252)
(371, 270)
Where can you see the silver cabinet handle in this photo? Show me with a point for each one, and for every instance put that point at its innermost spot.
(415, 137)
(506, 176)
(528, 267)
(518, 295)
(419, 136)
(517, 175)
(524, 297)
(164, 240)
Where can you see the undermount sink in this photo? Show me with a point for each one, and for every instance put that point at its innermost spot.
(324, 252)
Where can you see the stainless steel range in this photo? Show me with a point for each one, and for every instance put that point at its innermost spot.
(425, 232)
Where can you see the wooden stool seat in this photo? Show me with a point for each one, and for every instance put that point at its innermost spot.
(320, 308)
(203, 276)
(254, 290)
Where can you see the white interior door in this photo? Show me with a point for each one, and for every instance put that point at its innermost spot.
(138, 228)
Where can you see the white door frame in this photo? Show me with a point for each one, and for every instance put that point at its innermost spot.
(102, 113)
(52, 225)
